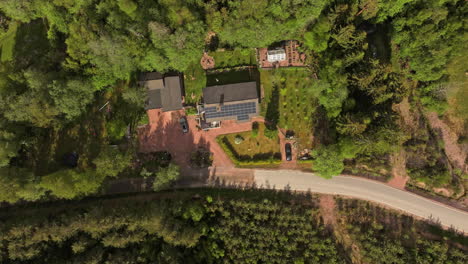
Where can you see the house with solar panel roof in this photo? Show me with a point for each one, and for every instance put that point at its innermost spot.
(237, 102)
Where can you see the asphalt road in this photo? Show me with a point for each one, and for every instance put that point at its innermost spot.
(363, 189)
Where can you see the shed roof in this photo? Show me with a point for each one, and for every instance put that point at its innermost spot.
(171, 94)
(230, 93)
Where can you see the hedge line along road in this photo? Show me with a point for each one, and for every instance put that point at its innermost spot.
(363, 189)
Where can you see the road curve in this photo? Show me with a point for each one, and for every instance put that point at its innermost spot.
(363, 189)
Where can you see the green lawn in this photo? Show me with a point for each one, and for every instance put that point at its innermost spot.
(253, 148)
(233, 58)
(230, 77)
(194, 82)
(290, 97)
(7, 42)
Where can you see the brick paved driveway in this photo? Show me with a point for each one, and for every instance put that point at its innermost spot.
(165, 134)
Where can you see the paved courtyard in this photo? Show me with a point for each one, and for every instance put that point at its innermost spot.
(164, 133)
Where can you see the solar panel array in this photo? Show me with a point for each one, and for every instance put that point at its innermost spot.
(241, 110)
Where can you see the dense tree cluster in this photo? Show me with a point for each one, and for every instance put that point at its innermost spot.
(212, 227)
(386, 237)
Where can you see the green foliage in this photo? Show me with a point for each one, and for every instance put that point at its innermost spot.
(62, 60)
(71, 183)
(194, 81)
(165, 177)
(261, 157)
(7, 42)
(110, 162)
(328, 161)
(9, 144)
(116, 129)
(232, 226)
(317, 38)
(128, 6)
(233, 58)
(72, 97)
(255, 126)
(16, 184)
(238, 24)
(291, 99)
(400, 242)
(422, 36)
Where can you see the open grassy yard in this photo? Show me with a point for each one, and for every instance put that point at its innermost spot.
(194, 82)
(289, 97)
(233, 58)
(230, 77)
(252, 148)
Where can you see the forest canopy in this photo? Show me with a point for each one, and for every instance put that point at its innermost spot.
(219, 226)
(63, 62)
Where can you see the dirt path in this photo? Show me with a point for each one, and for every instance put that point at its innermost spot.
(328, 211)
(400, 177)
(327, 208)
(454, 152)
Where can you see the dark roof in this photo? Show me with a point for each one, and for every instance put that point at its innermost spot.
(171, 94)
(162, 93)
(146, 76)
(230, 93)
(154, 99)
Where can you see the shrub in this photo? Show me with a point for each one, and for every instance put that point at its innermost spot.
(255, 127)
(238, 139)
(328, 161)
(165, 177)
(191, 111)
(270, 133)
(116, 130)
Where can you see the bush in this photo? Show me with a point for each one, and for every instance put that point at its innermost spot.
(255, 127)
(115, 130)
(270, 133)
(191, 111)
(165, 177)
(238, 139)
(328, 161)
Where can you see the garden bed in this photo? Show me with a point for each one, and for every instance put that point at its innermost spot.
(254, 149)
(290, 101)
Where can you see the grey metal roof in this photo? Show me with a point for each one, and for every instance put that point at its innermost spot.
(154, 99)
(230, 93)
(171, 94)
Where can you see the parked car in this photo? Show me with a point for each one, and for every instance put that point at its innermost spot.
(288, 151)
(183, 124)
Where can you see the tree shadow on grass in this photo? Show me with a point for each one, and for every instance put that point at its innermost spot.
(272, 113)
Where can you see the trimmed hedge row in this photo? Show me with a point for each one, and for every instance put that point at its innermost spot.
(229, 150)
